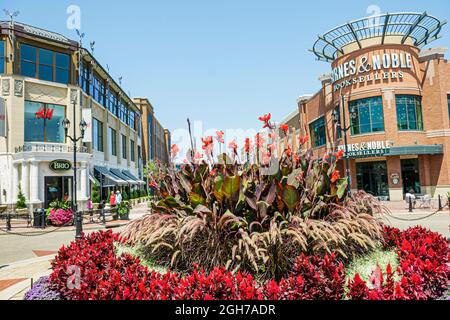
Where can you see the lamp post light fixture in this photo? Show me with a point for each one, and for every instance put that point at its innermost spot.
(75, 139)
(344, 129)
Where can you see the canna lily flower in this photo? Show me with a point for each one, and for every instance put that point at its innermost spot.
(247, 145)
(153, 184)
(339, 155)
(288, 151)
(297, 158)
(207, 143)
(219, 136)
(303, 140)
(266, 118)
(259, 140)
(198, 156)
(272, 136)
(233, 146)
(266, 158)
(284, 128)
(335, 176)
(213, 172)
(174, 151)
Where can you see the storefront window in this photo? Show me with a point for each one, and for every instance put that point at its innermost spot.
(369, 115)
(318, 133)
(409, 112)
(112, 142)
(43, 122)
(132, 120)
(2, 57)
(44, 64)
(97, 128)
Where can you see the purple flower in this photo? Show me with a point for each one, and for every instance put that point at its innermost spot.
(42, 290)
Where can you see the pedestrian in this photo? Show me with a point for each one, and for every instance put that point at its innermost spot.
(112, 199)
(89, 204)
(411, 197)
(118, 198)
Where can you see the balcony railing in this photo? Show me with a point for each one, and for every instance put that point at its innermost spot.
(49, 147)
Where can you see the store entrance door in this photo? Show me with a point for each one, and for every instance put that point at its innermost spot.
(372, 178)
(411, 175)
(57, 189)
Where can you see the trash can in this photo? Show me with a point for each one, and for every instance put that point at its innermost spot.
(39, 219)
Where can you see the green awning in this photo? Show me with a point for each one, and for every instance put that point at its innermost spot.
(416, 150)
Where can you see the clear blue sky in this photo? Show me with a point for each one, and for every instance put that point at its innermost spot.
(223, 62)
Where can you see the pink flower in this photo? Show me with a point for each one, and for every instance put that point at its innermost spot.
(233, 146)
(207, 144)
(219, 136)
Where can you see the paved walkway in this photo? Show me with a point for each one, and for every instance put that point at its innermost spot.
(27, 257)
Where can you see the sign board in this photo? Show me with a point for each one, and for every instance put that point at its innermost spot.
(387, 66)
(60, 165)
(367, 149)
(86, 114)
(2, 118)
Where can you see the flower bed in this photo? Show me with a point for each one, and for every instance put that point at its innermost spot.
(60, 217)
(104, 275)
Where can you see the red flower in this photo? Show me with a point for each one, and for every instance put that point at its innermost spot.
(284, 128)
(247, 145)
(288, 151)
(153, 184)
(174, 150)
(303, 140)
(339, 155)
(213, 172)
(335, 176)
(266, 118)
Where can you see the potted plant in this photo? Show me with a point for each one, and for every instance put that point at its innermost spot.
(60, 213)
(123, 210)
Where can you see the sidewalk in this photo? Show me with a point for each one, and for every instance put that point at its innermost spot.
(16, 277)
(401, 207)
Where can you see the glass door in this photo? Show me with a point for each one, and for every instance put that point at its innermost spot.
(411, 175)
(57, 189)
(372, 178)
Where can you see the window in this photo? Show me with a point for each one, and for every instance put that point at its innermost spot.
(2, 57)
(369, 115)
(99, 90)
(112, 142)
(132, 155)
(318, 133)
(124, 147)
(44, 64)
(123, 111)
(97, 128)
(112, 102)
(448, 102)
(150, 136)
(409, 112)
(43, 122)
(131, 120)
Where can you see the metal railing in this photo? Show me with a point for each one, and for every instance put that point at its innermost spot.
(48, 147)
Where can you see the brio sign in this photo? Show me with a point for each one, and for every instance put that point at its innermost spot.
(60, 165)
(382, 67)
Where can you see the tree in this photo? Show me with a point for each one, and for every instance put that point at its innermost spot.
(21, 201)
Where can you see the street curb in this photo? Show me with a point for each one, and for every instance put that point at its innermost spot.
(13, 265)
(14, 290)
(37, 233)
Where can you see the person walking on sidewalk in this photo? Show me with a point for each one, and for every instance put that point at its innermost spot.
(112, 199)
(118, 198)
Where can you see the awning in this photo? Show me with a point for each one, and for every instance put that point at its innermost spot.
(108, 174)
(416, 150)
(119, 173)
(94, 180)
(128, 174)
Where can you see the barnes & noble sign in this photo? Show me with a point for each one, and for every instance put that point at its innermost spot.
(367, 149)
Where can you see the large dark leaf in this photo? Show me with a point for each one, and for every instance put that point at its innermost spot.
(231, 186)
(196, 199)
(290, 197)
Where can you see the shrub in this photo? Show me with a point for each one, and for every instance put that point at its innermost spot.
(42, 290)
(21, 201)
(60, 217)
(95, 193)
(424, 268)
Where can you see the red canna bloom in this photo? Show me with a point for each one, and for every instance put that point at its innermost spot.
(213, 172)
(207, 144)
(339, 155)
(247, 145)
(288, 151)
(284, 128)
(335, 176)
(174, 150)
(153, 184)
(266, 118)
(304, 140)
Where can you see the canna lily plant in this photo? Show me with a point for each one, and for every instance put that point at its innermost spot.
(255, 216)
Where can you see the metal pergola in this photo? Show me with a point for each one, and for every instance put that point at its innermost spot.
(421, 28)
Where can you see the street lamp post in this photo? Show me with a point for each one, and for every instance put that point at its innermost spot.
(75, 139)
(344, 129)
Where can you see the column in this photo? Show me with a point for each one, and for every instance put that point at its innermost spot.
(15, 183)
(25, 183)
(34, 186)
(83, 181)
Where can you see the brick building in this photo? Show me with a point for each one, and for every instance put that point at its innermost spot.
(392, 95)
